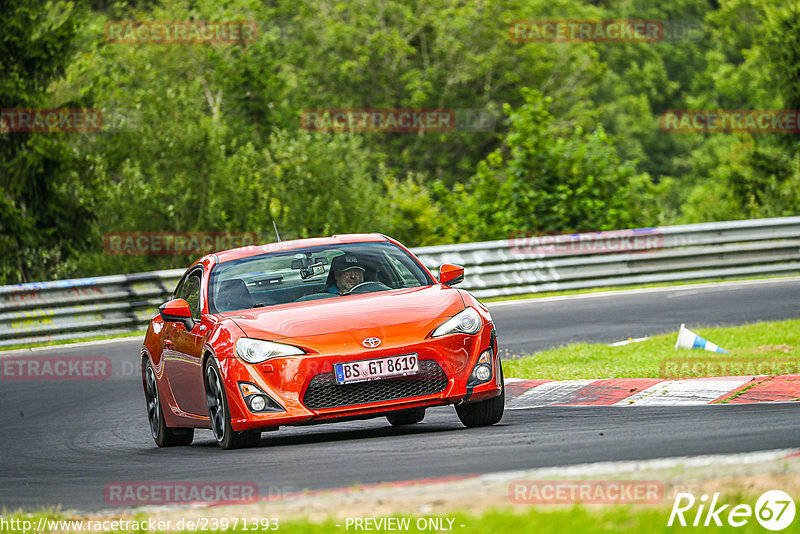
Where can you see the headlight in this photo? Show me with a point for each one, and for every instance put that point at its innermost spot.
(257, 351)
(465, 322)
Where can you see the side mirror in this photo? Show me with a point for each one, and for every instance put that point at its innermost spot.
(177, 311)
(451, 274)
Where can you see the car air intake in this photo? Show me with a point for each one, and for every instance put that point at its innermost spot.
(324, 392)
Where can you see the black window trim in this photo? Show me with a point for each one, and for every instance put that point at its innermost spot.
(189, 273)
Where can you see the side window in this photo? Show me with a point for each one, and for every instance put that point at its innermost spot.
(189, 290)
(191, 294)
(177, 293)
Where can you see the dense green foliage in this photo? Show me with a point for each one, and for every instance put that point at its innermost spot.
(208, 137)
(44, 218)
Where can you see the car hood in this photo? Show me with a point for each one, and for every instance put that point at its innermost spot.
(337, 323)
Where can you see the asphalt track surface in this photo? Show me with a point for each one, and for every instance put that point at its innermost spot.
(63, 441)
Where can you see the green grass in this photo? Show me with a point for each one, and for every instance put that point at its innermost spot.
(622, 288)
(539, 520)
(774, 345)
(71, 341)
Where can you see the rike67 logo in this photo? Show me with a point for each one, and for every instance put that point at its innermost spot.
(774, 510)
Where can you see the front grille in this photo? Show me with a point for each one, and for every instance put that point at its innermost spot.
(324, 392)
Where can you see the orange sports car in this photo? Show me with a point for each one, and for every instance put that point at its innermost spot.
(314, 331)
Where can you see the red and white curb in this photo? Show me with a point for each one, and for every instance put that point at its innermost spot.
(521, 393)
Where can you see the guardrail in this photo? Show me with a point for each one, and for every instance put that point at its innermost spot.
(49, 311)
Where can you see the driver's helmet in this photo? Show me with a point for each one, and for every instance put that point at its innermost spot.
(344, 262)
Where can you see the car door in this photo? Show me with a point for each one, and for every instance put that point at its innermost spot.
(183, 351)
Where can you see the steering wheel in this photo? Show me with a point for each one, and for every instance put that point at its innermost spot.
(380, 287)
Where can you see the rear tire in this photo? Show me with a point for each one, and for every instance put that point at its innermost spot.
(163, 435)
(483, 413)
(406, 417)
(219, 414)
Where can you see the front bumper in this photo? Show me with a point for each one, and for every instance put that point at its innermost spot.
(306, 389)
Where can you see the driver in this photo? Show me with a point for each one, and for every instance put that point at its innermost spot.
(348, 271)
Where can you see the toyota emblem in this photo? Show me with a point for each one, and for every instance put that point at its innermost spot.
(371, 342)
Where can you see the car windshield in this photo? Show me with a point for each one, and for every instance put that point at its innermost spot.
(309, 274)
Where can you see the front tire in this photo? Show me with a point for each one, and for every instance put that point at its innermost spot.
(219, 414)
(163, 435)
(406, 417)
(484, 413)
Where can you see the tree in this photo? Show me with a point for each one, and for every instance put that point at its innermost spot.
(754, 64)
(542, 180)
(43, 215)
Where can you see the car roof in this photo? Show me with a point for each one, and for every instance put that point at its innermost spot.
(254, 250)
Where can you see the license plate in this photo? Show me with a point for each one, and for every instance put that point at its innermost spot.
(363, 370)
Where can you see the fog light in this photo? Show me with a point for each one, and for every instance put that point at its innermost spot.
(483, 372)
(257, 403)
